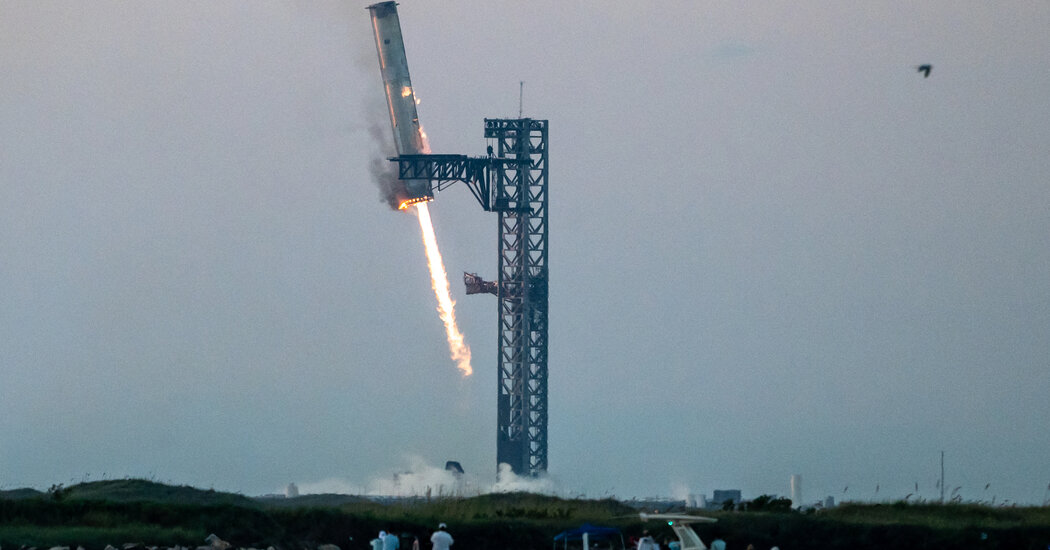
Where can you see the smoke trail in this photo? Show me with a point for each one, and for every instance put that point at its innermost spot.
(383, 172)
(458, 349)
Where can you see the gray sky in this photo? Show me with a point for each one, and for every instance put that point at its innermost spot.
(775, 248)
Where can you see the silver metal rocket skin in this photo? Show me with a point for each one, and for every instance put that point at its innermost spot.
(400, 99)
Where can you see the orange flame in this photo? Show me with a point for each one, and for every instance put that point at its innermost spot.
(458, 349)
(409, 202)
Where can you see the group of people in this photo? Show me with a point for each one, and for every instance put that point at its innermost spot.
(440, 540)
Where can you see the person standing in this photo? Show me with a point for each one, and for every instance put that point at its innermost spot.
(647, 542)
(377, 543)
(391, 541)
(441, 540)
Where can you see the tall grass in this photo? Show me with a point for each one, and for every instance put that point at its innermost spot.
(158, 515)
(96, 537)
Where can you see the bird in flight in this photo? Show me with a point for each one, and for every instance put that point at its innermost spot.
(925, 70)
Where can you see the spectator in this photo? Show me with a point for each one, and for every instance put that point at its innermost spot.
(647, 542)
(391, 541)
(377, 543)
(441, 540)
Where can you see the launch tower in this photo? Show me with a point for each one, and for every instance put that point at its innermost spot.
(511, 180)
(521, 204)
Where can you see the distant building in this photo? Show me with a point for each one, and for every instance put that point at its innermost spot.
(796, 491)
(291, 491)
(721, 496)
(829, 502)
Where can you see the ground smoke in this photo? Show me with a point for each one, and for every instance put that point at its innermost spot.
(422, 480)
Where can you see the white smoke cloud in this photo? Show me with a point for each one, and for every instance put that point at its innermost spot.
(329, 486)
(418, 478)
(680, 490)
(422, 479)
(509, 482)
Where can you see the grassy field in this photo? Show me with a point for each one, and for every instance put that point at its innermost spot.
(96, 514)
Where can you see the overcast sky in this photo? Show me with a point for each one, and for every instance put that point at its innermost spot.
(775, 247)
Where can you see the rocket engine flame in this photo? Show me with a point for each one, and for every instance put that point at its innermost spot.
(458, 349)
(409, 202)
(409, 138)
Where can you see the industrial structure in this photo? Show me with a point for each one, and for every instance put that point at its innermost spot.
(511, 180)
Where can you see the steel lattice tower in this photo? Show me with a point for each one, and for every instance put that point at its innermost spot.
(520, 199)
(511, 181)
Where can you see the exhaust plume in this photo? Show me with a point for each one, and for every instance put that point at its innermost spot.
(385, 177)
(409, 138)
(458, 349)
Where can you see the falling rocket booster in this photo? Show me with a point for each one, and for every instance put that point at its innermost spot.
(401, 100)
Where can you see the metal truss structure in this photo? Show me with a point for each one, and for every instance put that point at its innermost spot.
(511, 181)
(521, 201)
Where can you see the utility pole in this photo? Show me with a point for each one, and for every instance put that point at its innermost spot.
(942, 477)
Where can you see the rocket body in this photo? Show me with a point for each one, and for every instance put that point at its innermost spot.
(400, 98)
